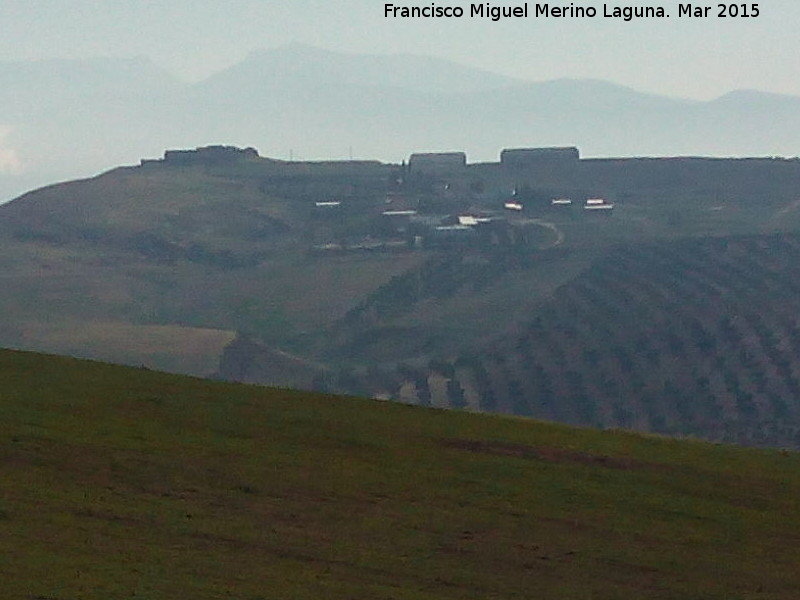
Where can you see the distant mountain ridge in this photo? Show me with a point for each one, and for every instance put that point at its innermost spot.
(67, 119)
(299, 65)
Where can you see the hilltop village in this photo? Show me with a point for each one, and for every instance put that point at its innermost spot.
(535, 198)
(438, 200)
(432, 200)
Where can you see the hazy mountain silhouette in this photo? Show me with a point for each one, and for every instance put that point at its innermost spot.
(300, 66)
(61, 119)
(65, 119)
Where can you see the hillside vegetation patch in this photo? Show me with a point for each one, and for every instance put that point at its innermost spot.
(121, 482)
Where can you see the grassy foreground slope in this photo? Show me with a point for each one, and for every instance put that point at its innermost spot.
(120, 482)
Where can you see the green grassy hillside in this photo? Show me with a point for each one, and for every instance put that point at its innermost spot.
(127, 483)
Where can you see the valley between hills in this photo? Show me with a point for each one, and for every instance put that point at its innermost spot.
(663, 297)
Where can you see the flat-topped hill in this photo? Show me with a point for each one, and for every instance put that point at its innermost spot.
(121, 482)
(492, 286)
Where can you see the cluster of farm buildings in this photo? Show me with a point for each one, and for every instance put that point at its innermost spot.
(431, 199)
(468, 216)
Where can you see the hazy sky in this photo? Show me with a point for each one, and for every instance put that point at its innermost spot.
(681, 57)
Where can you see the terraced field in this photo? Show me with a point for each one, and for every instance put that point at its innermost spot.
(693, 337)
